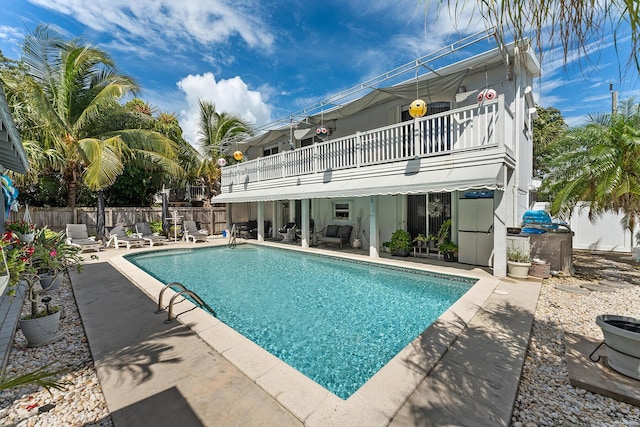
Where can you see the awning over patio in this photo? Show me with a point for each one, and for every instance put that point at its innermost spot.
(490, 177)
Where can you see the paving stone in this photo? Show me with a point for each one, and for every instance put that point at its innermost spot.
(572, 289)
(597, 288)
(615, 284)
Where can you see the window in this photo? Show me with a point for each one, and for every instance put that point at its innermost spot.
(269, 151)
(341, 210)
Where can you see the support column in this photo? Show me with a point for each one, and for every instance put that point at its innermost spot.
(277, 219)
(260, 221)
(229, 213)
(374, 233)
(500, 233)
(305, 222)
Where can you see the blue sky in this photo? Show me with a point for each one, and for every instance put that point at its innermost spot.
(264, 60)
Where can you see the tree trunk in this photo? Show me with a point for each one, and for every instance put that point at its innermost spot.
(100, 217)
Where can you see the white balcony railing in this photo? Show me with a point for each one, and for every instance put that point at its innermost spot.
(468, 128)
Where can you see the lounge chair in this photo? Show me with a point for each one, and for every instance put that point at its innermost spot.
(118, 235)
(144, 230)
(191, 232)
(77, 235)
(336, 235)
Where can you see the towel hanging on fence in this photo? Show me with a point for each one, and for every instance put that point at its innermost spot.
(10, 194)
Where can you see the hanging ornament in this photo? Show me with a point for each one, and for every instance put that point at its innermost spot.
(418, 108)
(490, 95)
(435, 208)
(237, 155)
(322, 132)
(222, 162)
(481, 95)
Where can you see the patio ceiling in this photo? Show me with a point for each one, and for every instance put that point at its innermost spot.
(489, 177)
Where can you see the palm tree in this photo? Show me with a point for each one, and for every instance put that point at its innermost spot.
(573, 25)
(600, 164)
(68, 86)
(215, 133)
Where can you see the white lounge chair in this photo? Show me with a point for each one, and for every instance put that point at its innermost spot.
(191, 232)
(118, 235)
(144, 231)
(77, 235)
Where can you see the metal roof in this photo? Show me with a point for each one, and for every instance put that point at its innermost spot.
(12, 154)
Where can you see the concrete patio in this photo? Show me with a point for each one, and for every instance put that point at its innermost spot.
(463, 370)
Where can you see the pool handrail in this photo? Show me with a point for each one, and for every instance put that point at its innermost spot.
(182, 291)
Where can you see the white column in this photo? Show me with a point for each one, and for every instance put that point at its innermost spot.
(374, 233)
(261, 221)
(305, 222)
(502, 206)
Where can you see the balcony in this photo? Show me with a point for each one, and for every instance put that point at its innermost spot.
(470, 139)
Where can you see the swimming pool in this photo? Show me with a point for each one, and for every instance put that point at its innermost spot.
(338, 322)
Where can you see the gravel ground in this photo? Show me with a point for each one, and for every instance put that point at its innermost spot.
(81, 403)
(545, 397)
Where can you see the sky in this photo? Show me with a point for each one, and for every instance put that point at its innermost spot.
(266, 60)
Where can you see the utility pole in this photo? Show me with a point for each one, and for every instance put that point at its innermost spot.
(614, 100)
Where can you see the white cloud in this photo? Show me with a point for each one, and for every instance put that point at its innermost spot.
(168, 24)
(230, 95)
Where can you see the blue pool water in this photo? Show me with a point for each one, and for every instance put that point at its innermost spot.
(338, 322)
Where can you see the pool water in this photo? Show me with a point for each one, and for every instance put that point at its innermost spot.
(336, 321)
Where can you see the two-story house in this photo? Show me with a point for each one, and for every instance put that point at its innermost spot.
(368, 163)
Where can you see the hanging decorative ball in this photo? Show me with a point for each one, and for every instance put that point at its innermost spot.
(322, 132)
(490, 95)
(222, 162)
(481, 95)
(237, 155)
(418, 108)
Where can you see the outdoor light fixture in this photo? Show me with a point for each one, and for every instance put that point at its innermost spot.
(46, 300)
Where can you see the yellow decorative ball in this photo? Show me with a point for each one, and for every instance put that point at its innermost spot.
(237, 155)
(418, 108)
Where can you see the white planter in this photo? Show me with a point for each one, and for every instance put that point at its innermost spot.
(622, 337)
(518, 270)
(42, 330)
(356, 244)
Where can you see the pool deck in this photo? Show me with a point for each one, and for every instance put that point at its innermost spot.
(463, 370)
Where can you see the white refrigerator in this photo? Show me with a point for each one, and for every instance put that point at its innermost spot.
(475, 231)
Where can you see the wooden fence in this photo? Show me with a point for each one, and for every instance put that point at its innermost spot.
(212, 218)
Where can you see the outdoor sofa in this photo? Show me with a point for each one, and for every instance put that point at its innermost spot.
(335, 235)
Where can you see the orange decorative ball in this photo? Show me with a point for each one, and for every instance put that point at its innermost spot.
(237, 155)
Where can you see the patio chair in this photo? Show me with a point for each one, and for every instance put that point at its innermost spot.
(77, 235)
(144, 230)
(118, 235)
(336, 235)
(191, 232)
(288, 232)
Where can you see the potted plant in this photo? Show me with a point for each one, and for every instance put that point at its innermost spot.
(401, 243)
(385, 247)
(449, 250)
(422, 241)
(52, 257)
(47, 251)
(518, 263)
(25, 230)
